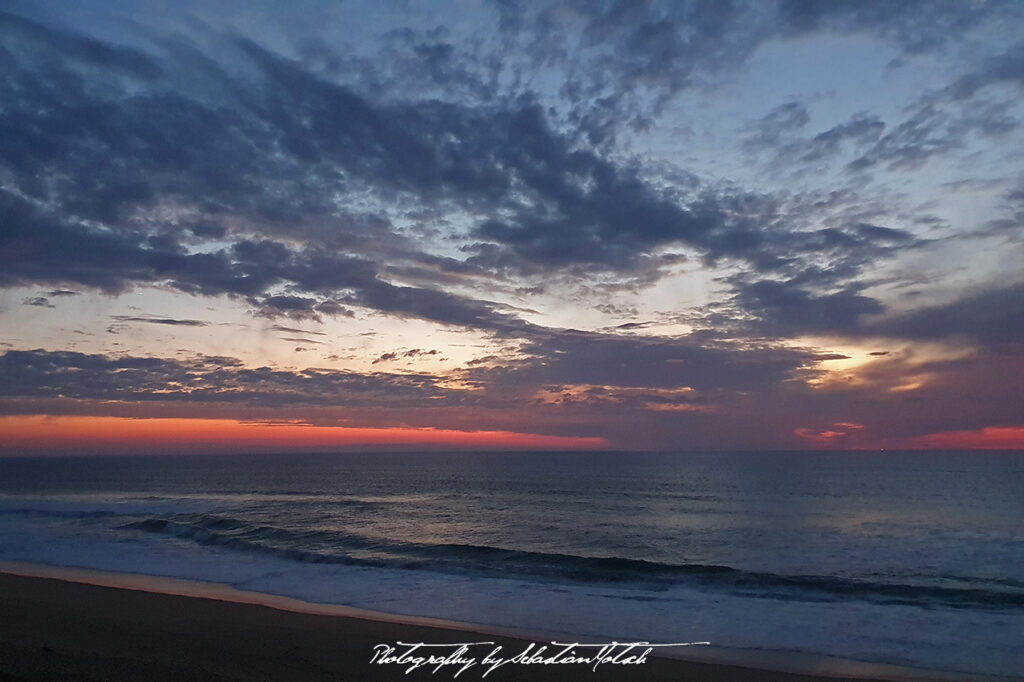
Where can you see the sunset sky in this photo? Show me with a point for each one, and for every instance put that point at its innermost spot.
(311, 225)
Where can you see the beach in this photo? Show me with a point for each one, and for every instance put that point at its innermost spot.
(827, 573)
(56, 629)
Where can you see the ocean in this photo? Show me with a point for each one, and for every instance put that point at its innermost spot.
(906, 558)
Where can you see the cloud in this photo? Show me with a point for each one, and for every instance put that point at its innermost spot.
(813, 295)
(295, 339)
(912, 26)
(472, 180)
(622, 62)
(992, 317)
(778, 136)
(769, 130)
(160, 320)
(636, 392)
(931, 130)
(590, 358)
(1007, 67)
(114, 262)
(296, 307)
(638, 368)
(206, 379)
(83, 50)
(438, 306)
(294, 330)
(579, 397)
(785, 310)
(247, 192)
(943, 121)
(415, 352)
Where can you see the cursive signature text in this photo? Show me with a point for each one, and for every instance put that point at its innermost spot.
(489, 656)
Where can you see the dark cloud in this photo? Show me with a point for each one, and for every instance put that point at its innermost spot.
(438, 306)
(38, 301)
(939, 124)
(83, 50)
(590, 358)
(294, 330)
(296, 307)
(777, 135)
(632, 57)
(944, 121)
(267, 160)
(418, 180)
(560, 384)
(992, 317)
(78, 376)
(415, 352)
(333, 309)
(160, 320)
(1007, 67)
(782, 309)
(434, 62)
(812, 293)
(915, 25)
(636, 392)
(769, 130)
(931, 130)
(38, 249)
(564, 205)
(813, 298)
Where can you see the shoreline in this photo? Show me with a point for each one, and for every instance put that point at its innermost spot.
(335, 639)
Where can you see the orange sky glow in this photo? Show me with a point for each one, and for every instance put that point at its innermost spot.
(30, 434)
(989, 438)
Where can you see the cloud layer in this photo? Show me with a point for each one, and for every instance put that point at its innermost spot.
(602, 194)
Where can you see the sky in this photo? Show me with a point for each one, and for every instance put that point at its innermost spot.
(578, 224)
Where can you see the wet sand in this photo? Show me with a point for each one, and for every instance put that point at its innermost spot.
(56, 629)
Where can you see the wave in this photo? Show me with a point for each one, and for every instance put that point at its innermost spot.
(59, 513)
(338, 547)
(62, 509)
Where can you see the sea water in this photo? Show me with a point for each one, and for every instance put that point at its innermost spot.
(914, 559)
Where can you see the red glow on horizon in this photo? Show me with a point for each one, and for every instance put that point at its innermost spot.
(988, 438)
(42, 433)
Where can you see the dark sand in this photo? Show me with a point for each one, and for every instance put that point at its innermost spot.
(53, 629)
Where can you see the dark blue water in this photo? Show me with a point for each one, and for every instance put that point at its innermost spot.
(908, 558)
